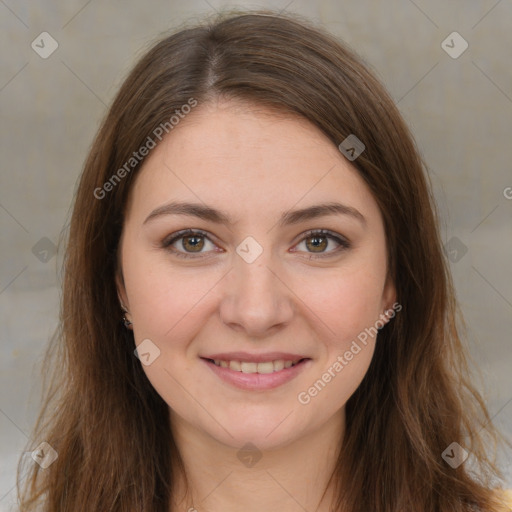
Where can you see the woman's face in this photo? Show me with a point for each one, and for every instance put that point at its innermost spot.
(253, 290)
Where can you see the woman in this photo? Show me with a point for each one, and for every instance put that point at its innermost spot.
(255, 210)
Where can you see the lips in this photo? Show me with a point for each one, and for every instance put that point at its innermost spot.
(256, 371)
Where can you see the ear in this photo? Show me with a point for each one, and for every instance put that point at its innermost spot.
(388, 295)
(121, 290)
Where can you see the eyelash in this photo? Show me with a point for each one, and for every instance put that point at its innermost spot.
(344, 244)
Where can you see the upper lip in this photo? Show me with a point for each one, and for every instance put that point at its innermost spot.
(255, 358)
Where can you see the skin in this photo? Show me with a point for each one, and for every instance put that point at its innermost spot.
(220, 155)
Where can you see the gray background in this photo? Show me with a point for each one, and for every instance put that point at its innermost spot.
(460, 110)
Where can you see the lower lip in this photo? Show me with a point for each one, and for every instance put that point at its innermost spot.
(258, 381)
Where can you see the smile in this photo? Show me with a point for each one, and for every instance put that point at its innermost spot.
(252, 367)
(257, 376)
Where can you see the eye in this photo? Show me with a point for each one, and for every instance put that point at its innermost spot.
(320, 241)
(193, 241)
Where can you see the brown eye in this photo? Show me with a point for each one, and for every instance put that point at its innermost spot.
(192, 243)
(318, 241)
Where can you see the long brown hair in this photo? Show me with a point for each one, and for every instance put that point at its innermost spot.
(109, 426)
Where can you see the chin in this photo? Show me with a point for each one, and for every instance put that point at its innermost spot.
(266, 432)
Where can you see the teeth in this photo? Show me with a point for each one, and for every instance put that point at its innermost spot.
(278, 365)
(234, 365)
(251, 367)
(264, 367)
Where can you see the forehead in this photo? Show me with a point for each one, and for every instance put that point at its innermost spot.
(231, 129)
(250, 157)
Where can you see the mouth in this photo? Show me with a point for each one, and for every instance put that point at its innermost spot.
(263, 367)
(257, 375)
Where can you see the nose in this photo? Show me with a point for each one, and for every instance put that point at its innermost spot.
(256, 299)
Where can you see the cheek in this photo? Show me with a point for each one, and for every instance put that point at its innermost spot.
(164, 297)
(346, 336)
(168, 307)
(347, 301)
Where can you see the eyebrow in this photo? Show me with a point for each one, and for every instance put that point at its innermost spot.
(287, 218)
